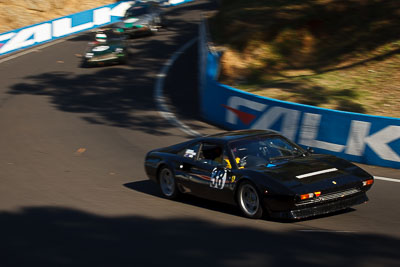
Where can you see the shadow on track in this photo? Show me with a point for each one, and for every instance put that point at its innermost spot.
(48, 236)
(120, 96)
(150, 188)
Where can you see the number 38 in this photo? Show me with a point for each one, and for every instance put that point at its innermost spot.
(218, 178)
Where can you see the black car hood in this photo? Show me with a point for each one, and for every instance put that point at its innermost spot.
(315, 172)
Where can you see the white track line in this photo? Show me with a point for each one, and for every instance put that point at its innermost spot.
(162, 106)
(387, 179)
(325, 231)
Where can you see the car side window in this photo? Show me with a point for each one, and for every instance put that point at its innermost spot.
(190, 151)
(212, 154)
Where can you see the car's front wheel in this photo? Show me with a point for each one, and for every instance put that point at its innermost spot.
(122, 61)
(167, 183)
(249, 201)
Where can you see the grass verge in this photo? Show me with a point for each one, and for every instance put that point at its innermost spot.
(338, 54)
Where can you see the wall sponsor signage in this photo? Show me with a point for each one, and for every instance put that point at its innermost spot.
(61, 27)
(357, 137)
(363, 139)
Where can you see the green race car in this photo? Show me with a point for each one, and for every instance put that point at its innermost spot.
(143, 18)
(107, 49)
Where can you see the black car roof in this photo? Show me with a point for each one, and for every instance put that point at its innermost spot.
(222, 138)
(239, 134)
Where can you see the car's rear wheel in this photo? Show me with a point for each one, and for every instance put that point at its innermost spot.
(85, 64)
(167, 183)
(122, 61)
(249, 201)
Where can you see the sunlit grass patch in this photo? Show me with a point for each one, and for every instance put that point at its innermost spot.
(342, 54)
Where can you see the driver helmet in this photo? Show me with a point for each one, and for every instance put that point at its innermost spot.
(101, 37)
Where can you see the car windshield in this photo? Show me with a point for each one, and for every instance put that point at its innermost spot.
(136, 11)
(265, 150)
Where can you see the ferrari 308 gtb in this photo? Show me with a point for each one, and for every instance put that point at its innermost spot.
(260, 171)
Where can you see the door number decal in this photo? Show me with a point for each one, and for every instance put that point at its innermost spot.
(218, 178)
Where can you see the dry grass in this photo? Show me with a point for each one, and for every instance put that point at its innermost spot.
(15, 14)
(340, 54)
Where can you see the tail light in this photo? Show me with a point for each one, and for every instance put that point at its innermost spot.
(368, 182)
(310, 195)
(307, 196)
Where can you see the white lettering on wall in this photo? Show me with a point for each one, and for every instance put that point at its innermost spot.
(358, 139)
(378, 142)
(309, 132)
(289, 124)
(27, 37)
(64, 27)
(59, 28)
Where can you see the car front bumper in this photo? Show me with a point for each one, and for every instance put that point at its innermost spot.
(321, 208)
(105, 59)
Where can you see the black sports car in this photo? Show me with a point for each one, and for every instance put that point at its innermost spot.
(261, 172)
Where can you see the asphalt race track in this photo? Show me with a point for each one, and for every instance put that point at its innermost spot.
(73, 191)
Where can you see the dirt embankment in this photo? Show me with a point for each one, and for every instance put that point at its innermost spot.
(15, 14)
(337, 54)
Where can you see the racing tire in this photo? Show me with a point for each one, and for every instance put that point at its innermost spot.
(166, 180)
(85, 64)
(249, 201)
(123, 61)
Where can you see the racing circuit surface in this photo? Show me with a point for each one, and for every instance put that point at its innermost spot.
(73, 189)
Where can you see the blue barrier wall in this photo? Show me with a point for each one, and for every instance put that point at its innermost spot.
(61, 27)
(357, 137)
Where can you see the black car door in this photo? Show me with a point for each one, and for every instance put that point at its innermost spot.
(209, 176)
(185, 161)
